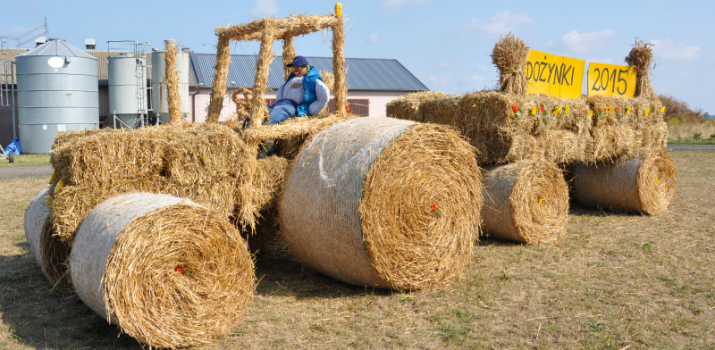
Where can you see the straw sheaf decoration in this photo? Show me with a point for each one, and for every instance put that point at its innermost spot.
(526, 202)
(510, 55)
(173, 97)
(641, 58)
(644, 183)
(383, 202)
(168, 272)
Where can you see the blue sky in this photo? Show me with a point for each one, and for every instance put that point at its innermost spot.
(446, 44)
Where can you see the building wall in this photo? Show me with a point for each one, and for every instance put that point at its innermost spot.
(378, 101)
(6, 124)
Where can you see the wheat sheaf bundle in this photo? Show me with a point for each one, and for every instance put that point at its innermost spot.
(509, 55)
(641, 58)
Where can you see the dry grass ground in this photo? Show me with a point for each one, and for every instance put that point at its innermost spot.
(26, 159)
(615, 282)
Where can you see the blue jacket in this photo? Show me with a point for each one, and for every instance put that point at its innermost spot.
(309, 86)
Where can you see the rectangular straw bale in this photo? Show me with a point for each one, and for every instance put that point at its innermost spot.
(653, 136)
(606, 110)
(611, 141)
(107, 158)
(407, 106)
(502, 135)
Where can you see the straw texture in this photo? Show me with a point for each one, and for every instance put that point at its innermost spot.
(169, 272)
(173, 97)
(509, 55)
(383, 202)
(407, 106)
(641, 58)
(35, 216)
(644, 183)
(526, 202)
(506, 128)
(208, 163)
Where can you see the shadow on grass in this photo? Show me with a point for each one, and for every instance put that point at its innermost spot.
(287, 277)
(577, 209)
(41, 317)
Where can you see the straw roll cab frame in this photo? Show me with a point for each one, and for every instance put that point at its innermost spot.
(526, 201)
(169, 272)
(643, 183)
(267, 31)
(384, 203)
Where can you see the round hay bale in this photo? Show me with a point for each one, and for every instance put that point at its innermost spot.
(384, 203)
(35, 216)
(169, 272)
(644, 183)
(526, 201)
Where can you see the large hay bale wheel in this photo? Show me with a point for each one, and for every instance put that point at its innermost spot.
(644, 183)
(169, 272)
(35, 217)
(383, 202)
(526, 201)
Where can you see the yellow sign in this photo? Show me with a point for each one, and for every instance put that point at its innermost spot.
(611, 80)
(554, 75)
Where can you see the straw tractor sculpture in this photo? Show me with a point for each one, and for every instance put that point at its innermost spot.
(157, 228)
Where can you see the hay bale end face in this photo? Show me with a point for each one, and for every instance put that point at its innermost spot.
(383, 202)
(526, 201)
(169, 272)
(644, 183)
(35, 216)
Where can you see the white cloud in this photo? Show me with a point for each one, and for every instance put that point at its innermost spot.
(373, 38)
(600, 60)
(670, 51)
(500, 24)
(263, 8)
(442, 80)
(16, 30)
(394, 5)
(586, 42)
(482, 67)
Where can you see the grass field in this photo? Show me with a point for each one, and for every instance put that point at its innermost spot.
(615, 282)
(26, 159)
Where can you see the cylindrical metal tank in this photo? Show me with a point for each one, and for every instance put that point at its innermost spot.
(57, 90)
(127, 88)
(158, 83)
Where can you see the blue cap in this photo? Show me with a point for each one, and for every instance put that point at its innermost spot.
(299, 61)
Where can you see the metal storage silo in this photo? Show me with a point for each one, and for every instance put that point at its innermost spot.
(57, 90)
(158, 83)
(127, 88)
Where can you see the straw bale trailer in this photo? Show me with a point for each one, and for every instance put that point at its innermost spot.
(169, 272)
(384, 203)
(506, 128)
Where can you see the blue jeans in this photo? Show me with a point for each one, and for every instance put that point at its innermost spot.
(281, 111)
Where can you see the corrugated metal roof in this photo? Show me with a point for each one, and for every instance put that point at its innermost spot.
(363, 73)
(102, 65)
(56, 47)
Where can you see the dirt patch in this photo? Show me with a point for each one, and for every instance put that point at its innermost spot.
(25, 171)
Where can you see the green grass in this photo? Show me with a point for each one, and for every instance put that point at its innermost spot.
(616, 281)
(25, 160)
